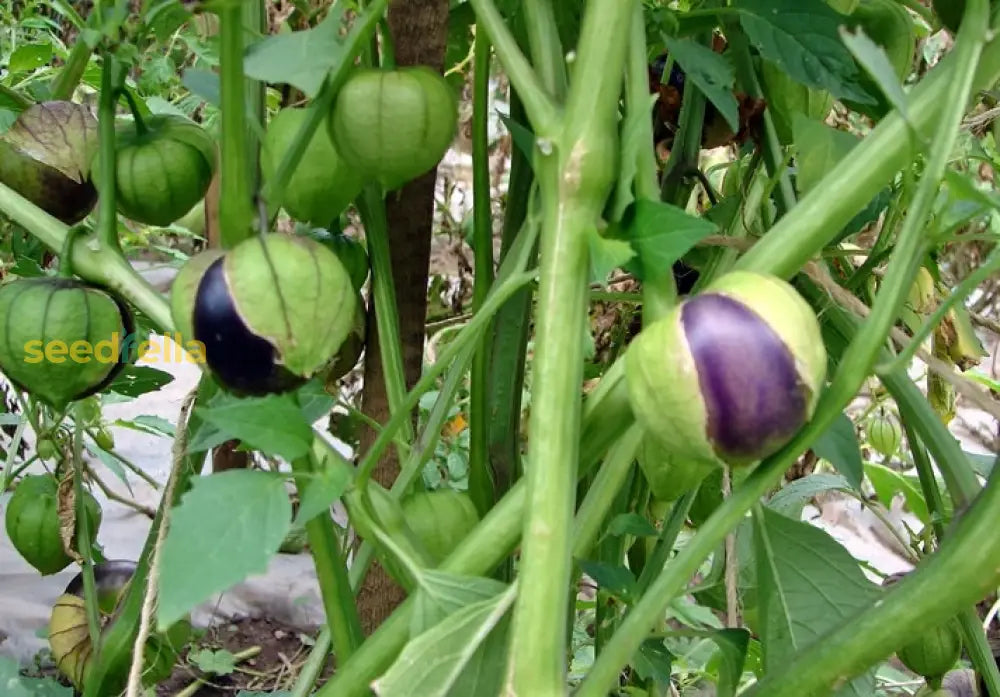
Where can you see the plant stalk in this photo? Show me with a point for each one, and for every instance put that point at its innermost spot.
(575, 175)
(235, 208)
(481, 484)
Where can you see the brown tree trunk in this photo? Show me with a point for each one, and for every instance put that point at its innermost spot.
(419, 31)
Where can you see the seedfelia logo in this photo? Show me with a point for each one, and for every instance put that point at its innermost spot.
(115, 349)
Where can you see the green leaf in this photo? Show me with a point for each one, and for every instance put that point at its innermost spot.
(819, 149)
(204, 84)
(802, 37)
(631, 524)
(982, 464)
(165, 17)
(272, 424)
(111, 462)
(732, 645)
(653, 661)
(219, 662)
(13, 685)
(636, 131)
(616, 580)
(28, 57)
(807, 585)
(606, 255)
(153, 425)
(326, 485)
(314, 401)
(438, 662)
(226, 528)
(522, 136)
(790, 499)
(661, 234)
(440, 593)
(136, 380)
(887, 483)
(302, 59)
(875, 61)
(711, 72)
(839, 446)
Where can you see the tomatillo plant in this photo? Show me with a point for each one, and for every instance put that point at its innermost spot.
(573, 421)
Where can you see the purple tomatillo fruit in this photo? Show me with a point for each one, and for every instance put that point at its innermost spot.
(730, 375)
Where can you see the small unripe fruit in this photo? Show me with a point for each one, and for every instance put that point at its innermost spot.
(322, 185)
(394, 125)
(104, 439)
(46, 449)
(163, 169)
(934, 652)
(884, 434)
(440, 519)
(731, 374)
(32, 523)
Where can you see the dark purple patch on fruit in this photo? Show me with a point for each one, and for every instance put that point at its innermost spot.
(108, 576)
(753, 399)
(241, 361)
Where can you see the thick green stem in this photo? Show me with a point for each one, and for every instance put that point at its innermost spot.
(481, 484)
(546, 47)
(107, 212)
(90, 263)
(540, 108)
(821, 214)
(235, 209)
(68, 79)
(84, 535)
(331, 572)
(610, 478)
(575, 174)
(659, 289)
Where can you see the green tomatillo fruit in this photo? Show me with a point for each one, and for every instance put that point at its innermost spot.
(45, 157)
(32, 523)
(884, 434)
(440, 519)
(934, 652)
(394, 125)
(730, 374)
(322, 185)
(62, 339)
(164, 165)
(268, 314)
(46, 449)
